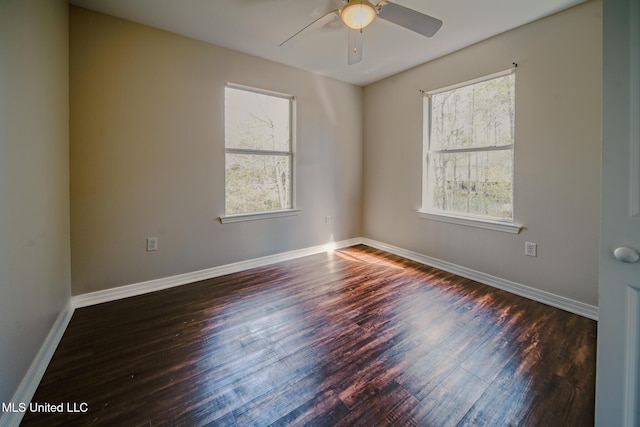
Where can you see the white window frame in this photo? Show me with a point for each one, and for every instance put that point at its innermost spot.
(252, 216)
(426, 211)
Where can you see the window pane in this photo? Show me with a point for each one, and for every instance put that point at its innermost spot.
(256, 121)
(477, 183)
(478, 115)
(257, 183)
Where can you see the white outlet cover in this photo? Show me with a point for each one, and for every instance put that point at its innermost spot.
(152, 244)
(530, 249)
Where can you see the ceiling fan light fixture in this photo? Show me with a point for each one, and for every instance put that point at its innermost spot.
(357, 14)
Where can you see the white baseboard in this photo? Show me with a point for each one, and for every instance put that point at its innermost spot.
(209, 273)
(548, 298)
(141, 288)
(29, 384)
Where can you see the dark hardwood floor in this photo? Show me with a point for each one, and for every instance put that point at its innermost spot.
(357, 337)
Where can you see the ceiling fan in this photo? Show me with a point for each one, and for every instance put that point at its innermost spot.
(357, 14)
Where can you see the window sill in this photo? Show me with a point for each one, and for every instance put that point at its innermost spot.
(487, 224)
(259, 215)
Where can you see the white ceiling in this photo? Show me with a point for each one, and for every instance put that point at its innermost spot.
(258, 27)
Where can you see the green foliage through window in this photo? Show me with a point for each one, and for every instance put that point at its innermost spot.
(470, 131)
(259, 155)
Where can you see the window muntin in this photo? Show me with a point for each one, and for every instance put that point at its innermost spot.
(469, 140)
(258, 151)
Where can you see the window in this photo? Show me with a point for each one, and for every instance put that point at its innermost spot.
(258, 151)
(469, 139)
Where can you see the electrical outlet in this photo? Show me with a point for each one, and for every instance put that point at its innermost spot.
(152, 244)
(530, 249)
(327, 219)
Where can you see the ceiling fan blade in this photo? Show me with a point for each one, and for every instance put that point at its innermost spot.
(320, 22)
(354, 55)
(409, 18)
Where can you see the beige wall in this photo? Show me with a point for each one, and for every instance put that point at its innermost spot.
(34, 180)
(557, 156)
(147, 154)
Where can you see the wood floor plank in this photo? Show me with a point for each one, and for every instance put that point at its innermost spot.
(355, 337)
(447, 404)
